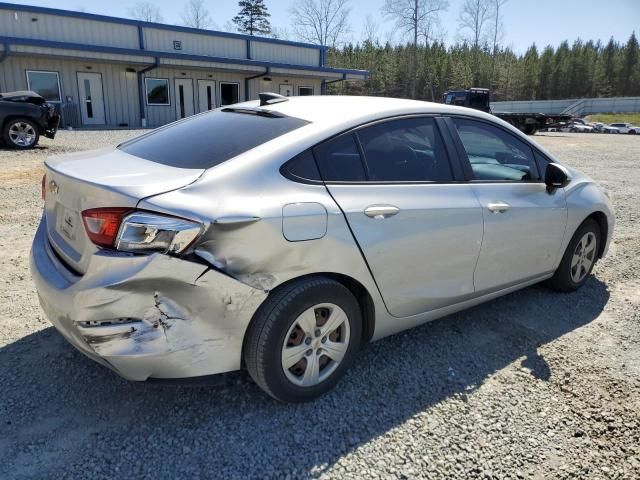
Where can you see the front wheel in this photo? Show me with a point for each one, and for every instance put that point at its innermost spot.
(578, 259)
(303, 339)
(20, 133)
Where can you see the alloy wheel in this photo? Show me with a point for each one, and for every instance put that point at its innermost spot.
(315, 344)
(22, 134)
(583, 257)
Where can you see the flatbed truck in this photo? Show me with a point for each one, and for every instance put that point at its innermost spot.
(480, 99)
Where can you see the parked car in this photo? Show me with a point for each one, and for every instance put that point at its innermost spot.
(577, 128)
(602, 128)
(626, 128)
(24, 116)
(197, 249)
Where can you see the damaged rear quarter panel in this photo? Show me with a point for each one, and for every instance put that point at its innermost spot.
(189, 319)
(257, 252)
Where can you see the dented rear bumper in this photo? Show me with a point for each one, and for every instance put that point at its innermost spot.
(146, 316)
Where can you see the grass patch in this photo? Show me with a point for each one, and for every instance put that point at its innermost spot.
(607, 118)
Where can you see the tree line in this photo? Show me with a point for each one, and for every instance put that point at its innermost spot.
(421, 66)
(582, 69)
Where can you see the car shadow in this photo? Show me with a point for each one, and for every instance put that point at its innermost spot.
(53, 393)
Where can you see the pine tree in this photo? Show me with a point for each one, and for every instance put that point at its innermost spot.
(253, 17)
(631, 57)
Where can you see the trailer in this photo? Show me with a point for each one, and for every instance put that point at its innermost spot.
(480, 99)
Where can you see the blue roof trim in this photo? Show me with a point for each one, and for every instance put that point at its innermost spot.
(151, 53)
(163, 26)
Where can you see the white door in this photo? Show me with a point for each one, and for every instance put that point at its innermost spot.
(184, 97)
(206, 95)
(91, 98)
(286, 90)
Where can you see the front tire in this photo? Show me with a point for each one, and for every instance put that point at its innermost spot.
(303, 339)
(20, 133)
(578, 259)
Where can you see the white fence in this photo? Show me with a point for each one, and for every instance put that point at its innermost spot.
(576, 107)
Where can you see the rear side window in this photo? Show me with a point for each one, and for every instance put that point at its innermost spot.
(302, 168)
(494, 154)
(207, 140)
(339, 160)
(405, 150)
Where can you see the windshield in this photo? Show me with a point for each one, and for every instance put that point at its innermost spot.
(209, 139)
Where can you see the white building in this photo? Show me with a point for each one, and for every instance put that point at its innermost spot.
(101, 70)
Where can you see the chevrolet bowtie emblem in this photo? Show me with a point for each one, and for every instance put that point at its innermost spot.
(53, 187)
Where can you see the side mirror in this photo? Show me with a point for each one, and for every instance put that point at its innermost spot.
(556, 176)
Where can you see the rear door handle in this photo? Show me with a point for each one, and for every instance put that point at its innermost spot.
(498, 207)
(381, 211)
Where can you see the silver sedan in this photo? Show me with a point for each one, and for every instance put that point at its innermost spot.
(280, 235)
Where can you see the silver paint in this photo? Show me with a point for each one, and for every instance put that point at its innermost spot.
(420, 251)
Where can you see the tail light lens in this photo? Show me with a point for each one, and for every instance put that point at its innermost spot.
(150, 232)
(139, 232)
(102, 224)
(43, 187)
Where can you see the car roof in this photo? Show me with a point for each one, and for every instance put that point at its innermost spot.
(357, 109)
(331, 114)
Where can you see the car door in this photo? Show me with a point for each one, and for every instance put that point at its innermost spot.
(417, 224)
(524, 224)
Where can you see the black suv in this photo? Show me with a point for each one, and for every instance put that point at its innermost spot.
(24, 116)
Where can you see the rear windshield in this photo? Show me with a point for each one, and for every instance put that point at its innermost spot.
(207, 140)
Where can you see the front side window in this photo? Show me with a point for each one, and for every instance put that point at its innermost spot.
(494, 154)
(46, 84)
(405, 150)
(229, 94)
(339, 160)
(157, 91)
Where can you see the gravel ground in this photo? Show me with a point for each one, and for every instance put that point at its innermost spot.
(533, 385)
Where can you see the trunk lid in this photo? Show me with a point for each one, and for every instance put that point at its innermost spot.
(101, 178)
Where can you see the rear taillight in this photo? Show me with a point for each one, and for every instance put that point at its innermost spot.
(151, 232)
(139, 232)
(44, 187)
(102, 224)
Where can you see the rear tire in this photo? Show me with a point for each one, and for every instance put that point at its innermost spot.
(303, 339)
(578, 259)
(20, 133)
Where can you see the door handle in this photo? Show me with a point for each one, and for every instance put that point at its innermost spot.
(498, 207)
(381, 211)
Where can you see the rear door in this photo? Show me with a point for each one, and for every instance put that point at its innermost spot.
(523, 224)
(419, 228)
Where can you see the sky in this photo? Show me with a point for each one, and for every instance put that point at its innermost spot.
(526, 21)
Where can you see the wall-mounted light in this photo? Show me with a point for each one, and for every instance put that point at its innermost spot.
(34, 19)
(183, 74)
(267, 79)
(130, 70)
(88, 67)
(210, 76)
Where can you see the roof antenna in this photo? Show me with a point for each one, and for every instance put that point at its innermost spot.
(268, 98)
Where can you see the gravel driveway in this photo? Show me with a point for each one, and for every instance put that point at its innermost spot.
(533, 385)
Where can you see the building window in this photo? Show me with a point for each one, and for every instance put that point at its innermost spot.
(157, 91)
(305, 91)
(46, 84)
(229, 93)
